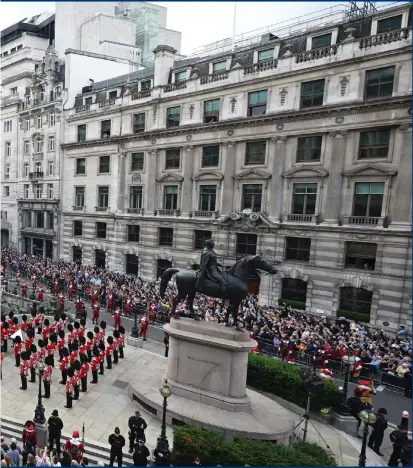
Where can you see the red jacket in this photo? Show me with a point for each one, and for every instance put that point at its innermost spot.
(29, 438)
(64, 363)
(17, 349)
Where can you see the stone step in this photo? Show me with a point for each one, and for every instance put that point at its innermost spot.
(95, 451)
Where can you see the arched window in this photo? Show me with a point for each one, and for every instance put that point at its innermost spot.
(294, 293)
(355, 303)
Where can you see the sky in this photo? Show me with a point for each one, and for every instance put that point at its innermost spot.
(200, 22)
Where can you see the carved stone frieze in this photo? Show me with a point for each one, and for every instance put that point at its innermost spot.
(278, 139)
(338, 133)
(246, 221)
(136, 178)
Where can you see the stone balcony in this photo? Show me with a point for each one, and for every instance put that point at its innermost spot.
(78, 208)
(260, 66)
(84, 108)
(163, 212)
(204, 214)
(365, 221)
(214, 77)
(139, 211)
(102, 209)
(43, 232)
(301, 218)
(316, 54)
(107, 103)
(384, 38)
(36, 175)
(146, 93)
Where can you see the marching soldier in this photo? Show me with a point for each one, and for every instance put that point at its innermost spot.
(70, 336)
(82, 348)
(79, 306)
(116, 336)
(56, 286)
(74, 355)
(55, 326)
(76, 380)
(109, 301)
(95, 365)
(61, 343)
(63, 322)
(47, 376)
(101, 358)
(51, 348)
(24, 369)
(40, 294)
(128, 306)
(17, 349)
(117, 316)
(40, 319)
(24, 325)
(89, 345)
(24, 290)
(4, 336)
(109, 349)
(82, 330)
(30, 339)
(96, 310)
(122, 340)
(64, 365)
(144, 323)
(62, 302)
(84, 370)
(76, 327)
(69, 388)
(71, 290)
(46, 329)
(32, 363)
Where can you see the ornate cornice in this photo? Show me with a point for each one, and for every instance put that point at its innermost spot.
(297, 172)
(269, 119)
(375, 168)
(253, 173)
(338, 133)
(170, 176)
(279, 139)
(208, 175)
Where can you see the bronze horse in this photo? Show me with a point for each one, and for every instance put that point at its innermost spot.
(238, 276)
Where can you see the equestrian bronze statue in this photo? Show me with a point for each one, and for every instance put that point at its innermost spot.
(212, 281)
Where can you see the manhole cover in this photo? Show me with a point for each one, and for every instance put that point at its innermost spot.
(120, 384)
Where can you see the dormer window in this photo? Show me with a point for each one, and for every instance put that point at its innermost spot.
(180, 76)
(389, 24)
(113, 94)
(219, 66)
(264, 55)
(145, 85)
(321, 41)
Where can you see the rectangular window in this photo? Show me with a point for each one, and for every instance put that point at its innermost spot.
(172, 159)
(105, 127)
(252, 197)
(297, 248)
(49, 190)
(51, 143)
(6, 191)
(219, 66)
(39, 191)
(166, 236)
(26, 147)
(211, 110)
(39, 145)
(264, 55)
(88, 101)
(374, 144)
(26, 170)
(79, 197)
(207, 197)
(101, 230)
(379, 83)
(103, 197)
(312, 94)
(50, 169)
(255, 152)
(81, 132)
(180, 76)
(135, 199)
(39, 121)
(210, 156)
(38, 168)
(368, 199)
(13, 91)
(78, 228)
(27, 124)
(389, 24)
(8, 148)
(27, 219)
(170, 197)
(145, 85)
(7, 126)
(200, 237)
(257, 103)
(80, 166)
(100, 258)
(246, 244)
(104, 165)
(361, 255)
(39, 219)
(52, 119)
(26, 191)
(304, 199)
(49, 220)
(137, 160)
(309, 149)
(139, 123)
(7, 172)
(133, 233)
(321, 41)
(173, 117)
(113, 94)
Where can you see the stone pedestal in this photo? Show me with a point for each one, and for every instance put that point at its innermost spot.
(135, 342)
(41, 431)
(208, 363)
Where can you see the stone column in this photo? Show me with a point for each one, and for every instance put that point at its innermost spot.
(121, 183)
(151, 182)
(186, 194)
(403, 191)
(275, 197)
(335, 180)
(228, 182)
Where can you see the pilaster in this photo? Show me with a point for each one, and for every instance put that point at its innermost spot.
(229, 173)
(187, 182)
(401, 216)
(121, 183)
(151, 182)
(335, 180)
(275, 200)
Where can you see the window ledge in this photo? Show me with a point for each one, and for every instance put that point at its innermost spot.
(136, 210)
(301, 218)
(364, 221)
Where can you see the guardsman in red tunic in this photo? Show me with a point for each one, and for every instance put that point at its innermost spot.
(69, 388)
(82, 330)
(46, 329)
(101, 358)
(64, 365)
(84, 370)
(96, 310)
(117, 316)
(47, 377)
(95, 295)
(89, 345)
(79, 305)
(95, 365)
(70, 337)
(39, 320)
(24, 289)
(82, 349)
(6, 284)
(17, 350)
(61, 343)
(108, 352)
(32, 364)
(62, 302)
(51, 348)
(109, 301)
(115, 346)
(56, 286)
(55, 326)
(76, 380)
(30, 339)
(74, 355)
(40, 294)
(71, 290)
(24, 325)
(4, 336)
(18, 278)
(10, 321)
(122, 342)
(144, 324)
(24, 370)
(63, 322)
(128, 305)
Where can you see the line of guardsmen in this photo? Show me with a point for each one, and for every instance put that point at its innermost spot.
(78, 354)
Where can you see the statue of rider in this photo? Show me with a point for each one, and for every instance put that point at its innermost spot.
(209, 267)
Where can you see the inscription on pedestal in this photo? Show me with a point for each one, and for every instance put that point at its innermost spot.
(204, 361)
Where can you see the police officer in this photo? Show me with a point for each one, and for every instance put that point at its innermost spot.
(55, 426)
(377, 434)
(399, 439)
(116, 442)
(137, 426)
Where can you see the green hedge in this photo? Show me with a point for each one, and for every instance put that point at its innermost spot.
(209, 446)
(294, 304)
(349, 314)
(285, 380)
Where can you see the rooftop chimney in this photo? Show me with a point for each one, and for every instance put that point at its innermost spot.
(164, 61)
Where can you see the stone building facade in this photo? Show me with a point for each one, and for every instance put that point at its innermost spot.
(299, 148)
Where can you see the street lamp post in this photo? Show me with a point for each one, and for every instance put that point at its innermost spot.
(162, 442)
(348, 362)
(39, 417)
(368, 417)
